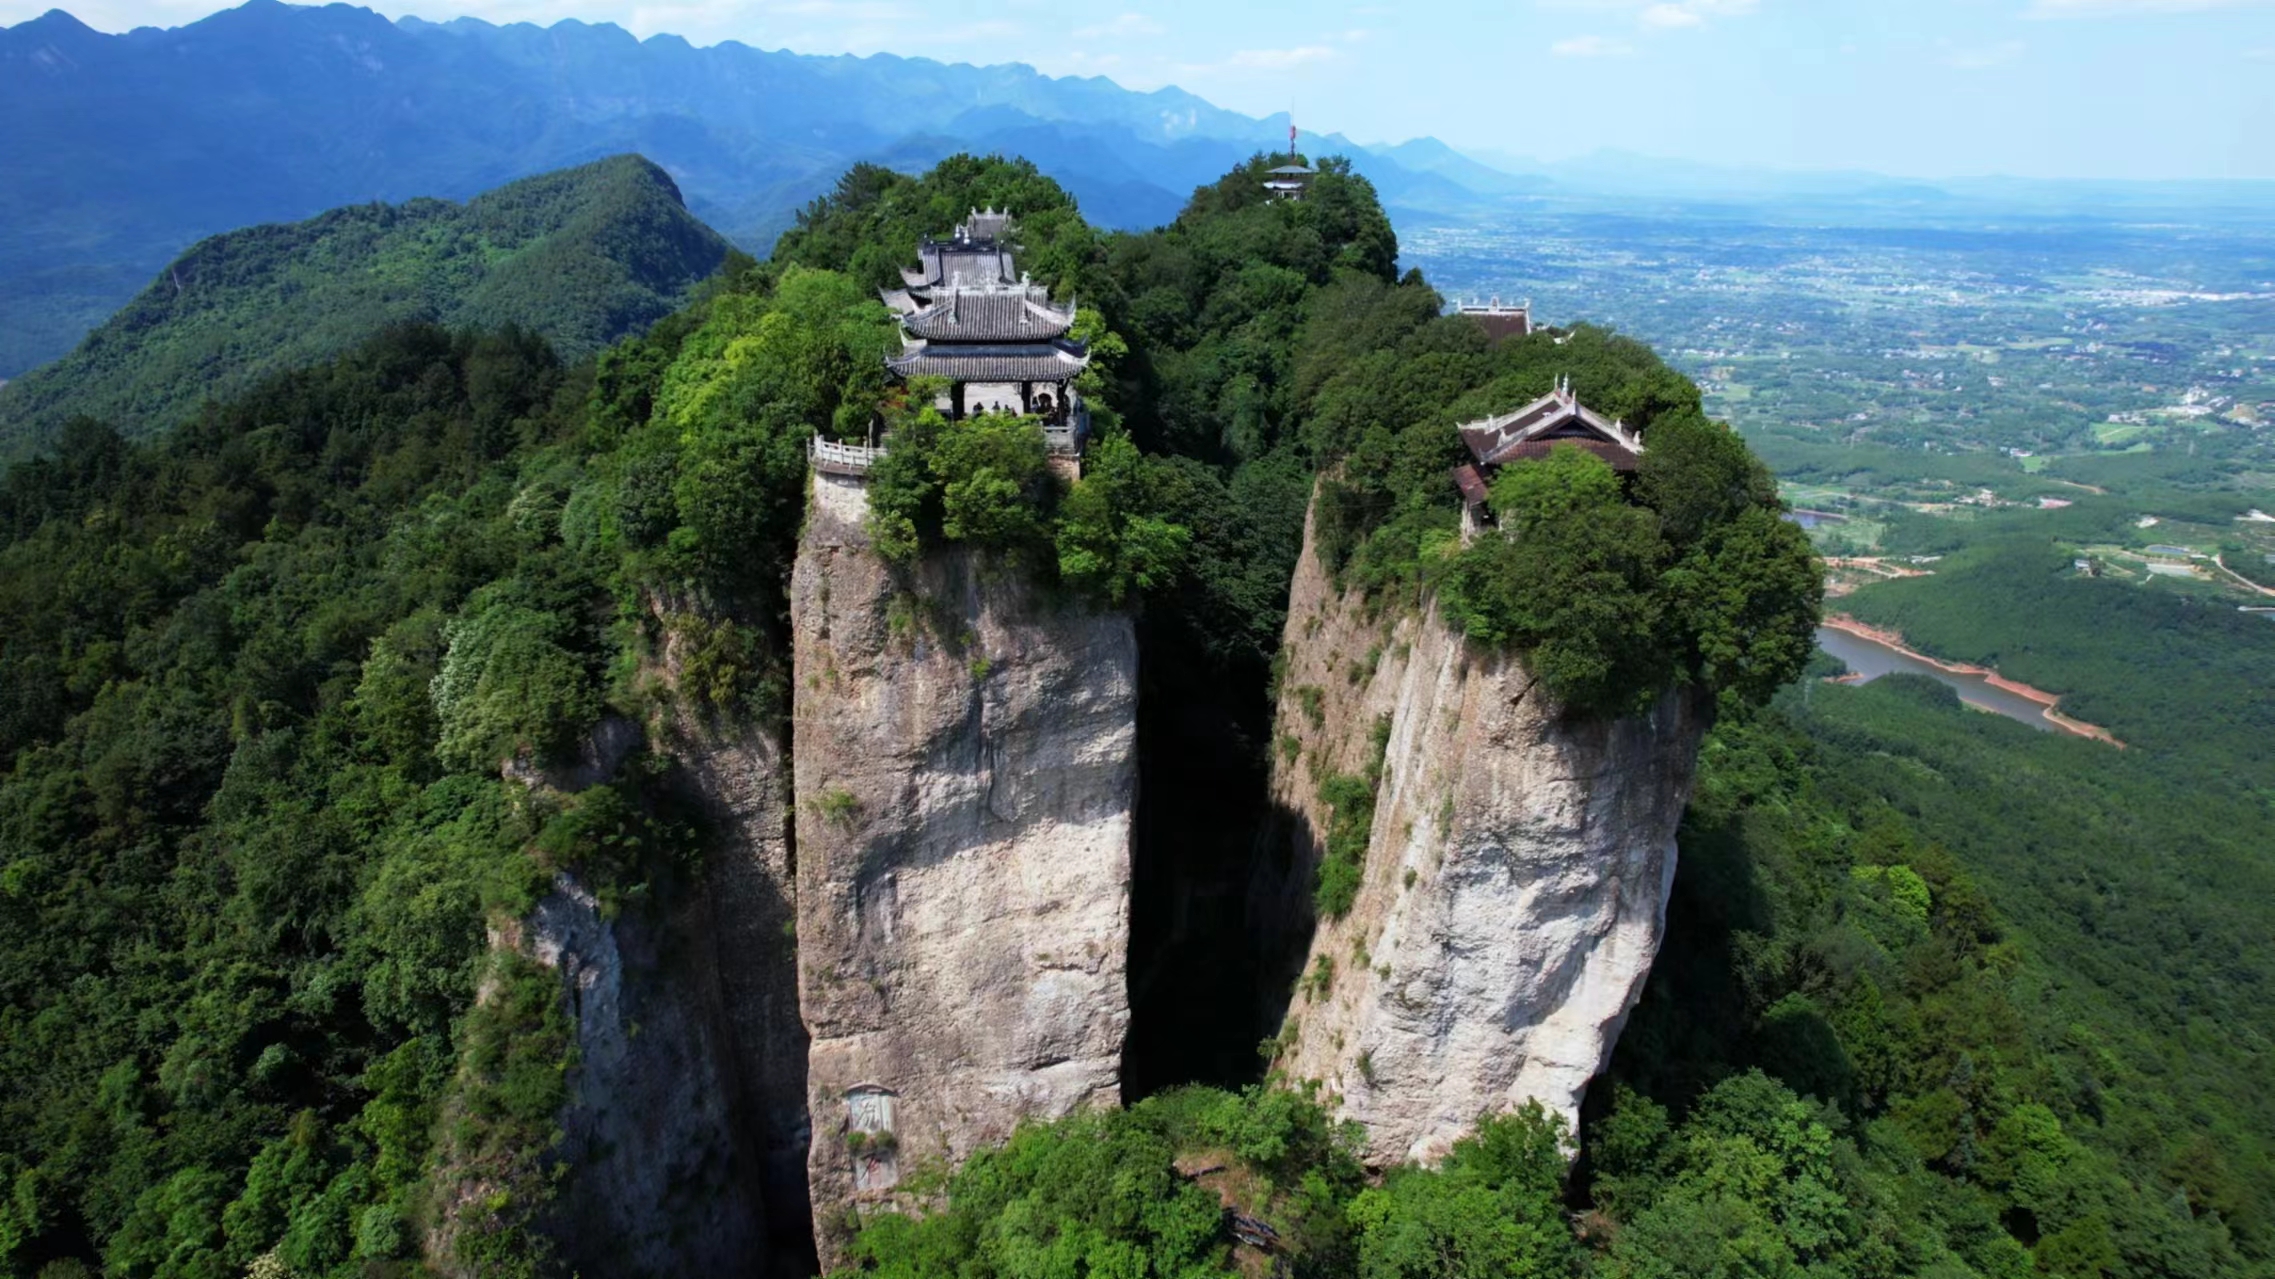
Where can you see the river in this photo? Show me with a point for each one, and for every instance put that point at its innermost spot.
(1872, 659)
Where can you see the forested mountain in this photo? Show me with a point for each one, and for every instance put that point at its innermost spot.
(257, 674)
(120, 153)
(580, 258)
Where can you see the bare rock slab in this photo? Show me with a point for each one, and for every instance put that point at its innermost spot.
(966, 777)
(1515, 886)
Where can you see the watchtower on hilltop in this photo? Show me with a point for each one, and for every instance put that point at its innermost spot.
(1290, 180)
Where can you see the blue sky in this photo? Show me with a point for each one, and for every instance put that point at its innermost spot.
(2038, 88)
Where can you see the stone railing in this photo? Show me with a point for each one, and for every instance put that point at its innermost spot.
(844, 459)
(1065, 439)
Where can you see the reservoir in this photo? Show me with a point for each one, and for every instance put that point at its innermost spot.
(1872, 659)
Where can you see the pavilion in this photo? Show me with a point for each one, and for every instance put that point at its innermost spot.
(969, 316)
(1530, 432)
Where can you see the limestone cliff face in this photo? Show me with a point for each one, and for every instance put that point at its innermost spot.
(686, 1130)
(1516, 879)
(684, 1135)
(744, 927)
(658, 1184)
(966, 778)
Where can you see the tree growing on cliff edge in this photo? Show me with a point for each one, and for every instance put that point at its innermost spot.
(1700, 581)
(1572, 582)
(1112, 536)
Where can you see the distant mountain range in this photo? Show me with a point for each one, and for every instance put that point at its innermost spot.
(121, 150)
(582, 257)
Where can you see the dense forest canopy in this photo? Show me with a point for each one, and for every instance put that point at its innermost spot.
(259, 676)
(583, 256)
(263, 677)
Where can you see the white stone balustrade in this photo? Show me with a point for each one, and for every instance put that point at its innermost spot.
(844, 459)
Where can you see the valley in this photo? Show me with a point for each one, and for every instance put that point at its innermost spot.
(932, 671)
(1869, 654)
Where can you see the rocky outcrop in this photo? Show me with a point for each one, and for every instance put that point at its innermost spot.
(657, 1184)
(747, 925)
(685, 1134)
(1515, 880)
(965, 783)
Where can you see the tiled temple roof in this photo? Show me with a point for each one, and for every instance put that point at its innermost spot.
(964, 315)
(1008, 362)
(1555, 418)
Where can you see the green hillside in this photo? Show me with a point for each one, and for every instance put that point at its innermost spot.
(1938, 997)
(582, 257)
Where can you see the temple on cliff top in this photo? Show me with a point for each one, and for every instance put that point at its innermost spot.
(1499, 322)
(1530, 432)
(969, 315)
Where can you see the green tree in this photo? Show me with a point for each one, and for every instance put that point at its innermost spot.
(1493, 1209)
(508, 687)
(1746, 598)
(994, 476)
(1111, 538)
(1570, 580)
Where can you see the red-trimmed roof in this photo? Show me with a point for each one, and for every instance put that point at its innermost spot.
(1501, 325)
(1621, 459)
(1471, 484)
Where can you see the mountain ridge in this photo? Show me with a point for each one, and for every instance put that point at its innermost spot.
(581, 256)
(124, 154)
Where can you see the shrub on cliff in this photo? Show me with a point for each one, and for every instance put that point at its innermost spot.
(1203, 1183)
(1572, 582)
(1113, 537)
(982, 481)
(985, 481)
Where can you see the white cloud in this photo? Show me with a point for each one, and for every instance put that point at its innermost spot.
(1279, 59)
(1591, 47)
(1661, 15)
(1675, 14)
(1127, 26)
(1078, 62)
(1245, 65)
(1984, 57)
(2115, 8)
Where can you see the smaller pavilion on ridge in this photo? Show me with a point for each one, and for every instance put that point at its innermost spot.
(1499, 322)
(1530, 432)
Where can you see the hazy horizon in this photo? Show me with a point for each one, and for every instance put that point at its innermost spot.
(2128, 90)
